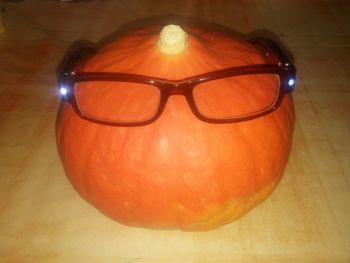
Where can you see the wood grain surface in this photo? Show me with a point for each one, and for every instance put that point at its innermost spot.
(42, 218)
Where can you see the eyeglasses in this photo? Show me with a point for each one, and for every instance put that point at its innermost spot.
(224, 96)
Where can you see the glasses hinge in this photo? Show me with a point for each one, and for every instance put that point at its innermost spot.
(69, 73)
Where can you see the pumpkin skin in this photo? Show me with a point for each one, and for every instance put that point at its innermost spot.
(178, 172)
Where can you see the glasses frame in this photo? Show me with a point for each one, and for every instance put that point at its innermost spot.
(278, 64)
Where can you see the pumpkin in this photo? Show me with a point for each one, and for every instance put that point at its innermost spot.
(177, 172)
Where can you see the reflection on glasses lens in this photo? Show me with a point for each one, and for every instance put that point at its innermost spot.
(117, 101)
(236, 96)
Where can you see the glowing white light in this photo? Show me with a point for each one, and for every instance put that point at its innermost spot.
(291, 82)
(63, 91)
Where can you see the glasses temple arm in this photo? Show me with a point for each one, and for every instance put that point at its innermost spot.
(270, 47)
(76, 58)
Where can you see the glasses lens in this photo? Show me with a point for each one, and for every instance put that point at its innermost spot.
(117, 101)
(237, 96)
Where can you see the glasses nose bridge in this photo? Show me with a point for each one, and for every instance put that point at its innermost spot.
(180, 88)
(175, 88)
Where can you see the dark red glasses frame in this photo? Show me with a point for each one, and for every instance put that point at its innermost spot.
(279, 65)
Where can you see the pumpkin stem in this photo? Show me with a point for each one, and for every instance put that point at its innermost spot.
(172, 40)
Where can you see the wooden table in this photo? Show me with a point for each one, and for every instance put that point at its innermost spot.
(42, 219)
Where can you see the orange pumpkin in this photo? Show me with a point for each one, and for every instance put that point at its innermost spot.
(177, 172)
